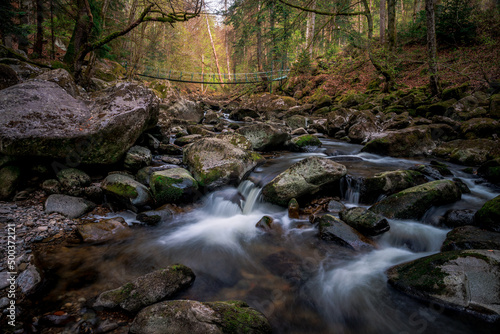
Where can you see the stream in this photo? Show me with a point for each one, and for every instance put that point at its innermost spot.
(302, 284)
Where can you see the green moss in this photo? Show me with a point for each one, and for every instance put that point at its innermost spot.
(124, 190)
(307, 140)
(165, 190)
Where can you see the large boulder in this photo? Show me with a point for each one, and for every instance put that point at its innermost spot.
(409, 142)
(8, 77)
(464, 281)
(365, 221)
(137, 157)
(332, 229)
(148, 289)
(412, 203)
(480, 128)
(126, 190)
(39, 118)
(265, 137)
(388, 183)
(189, 316)
(69, 206)
(488, 217)
(303, 178)
(173, 186)
(490, 170)
(471, 237)
(9, 178)
(469, 152)
(215, 162)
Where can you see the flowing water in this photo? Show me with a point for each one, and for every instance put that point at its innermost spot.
(302, 284)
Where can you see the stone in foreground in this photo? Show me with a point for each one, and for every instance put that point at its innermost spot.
(464, 281)
(69, 206)
(189, 316)
(148, 289)
(334, 230)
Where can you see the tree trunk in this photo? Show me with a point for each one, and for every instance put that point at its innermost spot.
(258, 24)
(38, 46)
(52, 37)
(432, 45)
(81, 33)
(213, 49)
(383, 18)
(311, 23)
(227, 46)
(391, 24)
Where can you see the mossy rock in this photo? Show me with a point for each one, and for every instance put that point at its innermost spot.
(365, 221)
(480, 128)
(466, 281)
(409, 142)
(412, 203)
(296, 121)
(332, 229)
(488, 217)
(490, 170)
(265, 137)
(306, 140)
(126, 190)
(495, 106)
(176, 317)
(173, 185)
(148, 289)
(440, 108)
(8, 77)
(468, 152)
(455, 92)
(470, 237)
(72, 178)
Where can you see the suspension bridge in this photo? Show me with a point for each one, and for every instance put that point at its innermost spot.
(213, 78)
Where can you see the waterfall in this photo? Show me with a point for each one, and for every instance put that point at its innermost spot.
(350, 188)
(251, 195)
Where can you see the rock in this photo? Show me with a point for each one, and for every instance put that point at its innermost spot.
(236, 140)
(241, 113)
(305, 141)
(148, 289)
(137, 157)
(495, 105)
(189, 139)
(464, 281)
(51, 186)
(362, 127)
(468, 152)
(186, 110)
(471, 237)
(211, 118)
(334, 230)
(187, 316)
(335, 206)
(8, 77)
(144, 174)
(456, 218)
(69, 206)
(23, 69)
(303, 178)
(38, 118)
(62, 78)
(293, 209)
(265, 223)
(365, 221)
(103, 230)
(296, 122)
(214, 162)
(299, 131)
(173, 186)
(488, 217)
(409, 142)
(29, 280)
(9, 178)
(199, 130)
(490, 170)
(479, 128)
(412, 203)
(126, 190)
(170, 149)
(388, 183)
(72, 178)
(264, 137)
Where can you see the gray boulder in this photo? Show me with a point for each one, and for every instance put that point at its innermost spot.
(303, 178)
(265, 137)
(412, 203)
(334, 230)
(29, 280)
(62, 78)
(215, 162)
(189, 316)
(72, 182)
(148, 289)
(488, 217)
(69, 206)
(186, 110)
(468, 152)
(409, 142)
(38, 118)
(466, 281)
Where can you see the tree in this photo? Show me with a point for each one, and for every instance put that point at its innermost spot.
(430, 6)
(383, 14)
(85, 39)
(391, 24)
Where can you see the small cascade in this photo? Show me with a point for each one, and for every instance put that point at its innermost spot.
(251, 195)
(350, 189)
